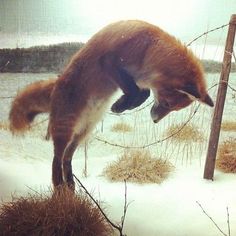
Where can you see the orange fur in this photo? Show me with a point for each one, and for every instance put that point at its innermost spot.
(29, 102)
(154, 59)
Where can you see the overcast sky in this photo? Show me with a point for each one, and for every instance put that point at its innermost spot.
(183, 18)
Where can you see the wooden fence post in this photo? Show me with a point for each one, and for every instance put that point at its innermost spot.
(220, 100)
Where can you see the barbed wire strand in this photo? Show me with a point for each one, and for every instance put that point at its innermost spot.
(153, 143)
(157, 141)
(142, 108)
(149, 144)
(205, 33)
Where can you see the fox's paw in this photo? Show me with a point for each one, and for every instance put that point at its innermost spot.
(122, 104)
(139, 99)
(129, 101)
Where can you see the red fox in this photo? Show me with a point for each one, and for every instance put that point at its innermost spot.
(132, 55)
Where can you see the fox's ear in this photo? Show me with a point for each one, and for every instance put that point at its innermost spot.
(207, 100)
(191, 91)
(193, 94)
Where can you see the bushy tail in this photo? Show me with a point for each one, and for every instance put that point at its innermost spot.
(32, 100)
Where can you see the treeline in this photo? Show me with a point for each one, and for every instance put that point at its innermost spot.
(53, 58)
(38, 59)
(211, 66)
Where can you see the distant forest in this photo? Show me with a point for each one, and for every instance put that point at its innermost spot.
(53, 58)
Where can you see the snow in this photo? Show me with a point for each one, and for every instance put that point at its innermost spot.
(167, 209)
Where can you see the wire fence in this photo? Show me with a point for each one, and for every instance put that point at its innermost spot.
(206, 33)
(105, 141)
(165, 138)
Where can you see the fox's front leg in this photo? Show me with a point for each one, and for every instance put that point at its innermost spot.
(133, 95)
(130, 101)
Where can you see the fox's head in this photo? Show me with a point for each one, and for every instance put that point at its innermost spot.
(174, 99)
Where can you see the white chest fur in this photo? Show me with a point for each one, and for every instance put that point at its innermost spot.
(90, 115)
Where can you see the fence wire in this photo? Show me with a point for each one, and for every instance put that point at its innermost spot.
(150, 103)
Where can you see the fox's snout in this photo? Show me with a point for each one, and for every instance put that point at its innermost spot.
(158, 112)
(161, 109)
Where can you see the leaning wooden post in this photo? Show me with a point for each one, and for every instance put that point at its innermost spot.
(220, 100)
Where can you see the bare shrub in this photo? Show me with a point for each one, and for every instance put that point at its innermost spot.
(226, 156)
(228, 126)
(61, 214)
(121, 127)
(138, 166)
(189, 133)
(4, 125)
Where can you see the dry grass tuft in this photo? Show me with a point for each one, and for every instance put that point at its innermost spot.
(138, 166)
(4, 125)
(62, 214)
(121, 127)
(226, 156)
(228, 126)
(189, 133)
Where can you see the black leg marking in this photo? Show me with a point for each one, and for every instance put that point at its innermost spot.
(68, 175)
(57, 172)
(133, 95)
(67, 167)
(130, 101)
(59, 148)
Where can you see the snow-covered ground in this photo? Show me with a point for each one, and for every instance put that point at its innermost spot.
(167, 209)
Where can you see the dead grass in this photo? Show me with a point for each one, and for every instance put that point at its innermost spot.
(228, 126)
(189, 133)
(121, 127)
(138, 166)
(61, 214)
(226, 156)
(4, 125)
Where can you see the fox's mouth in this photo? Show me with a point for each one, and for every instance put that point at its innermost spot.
(158, 112)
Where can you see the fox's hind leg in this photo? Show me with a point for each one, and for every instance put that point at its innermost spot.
(65, 142)
(63, 117)
(133, 95)
(67, 167)
(60, 145)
